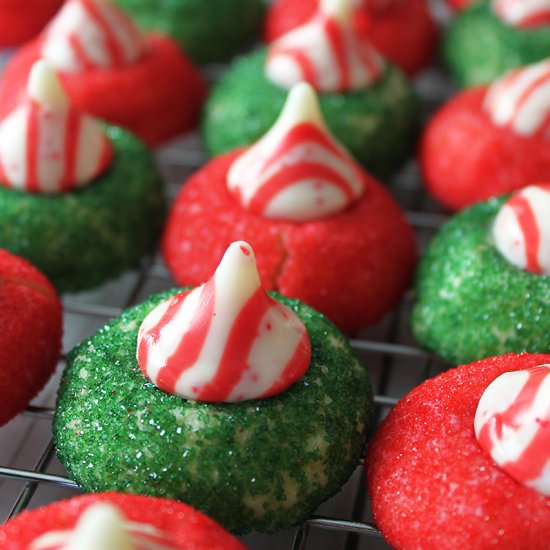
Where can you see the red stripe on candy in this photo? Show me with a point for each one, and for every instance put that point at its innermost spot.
(3, 177)
(81, 53)
(309, 73)
(233, 362)
(192, 342)
(151, 337)
(301, 133)
(337, 42)
(532, 460)
(295, 368)
(529, 228)
(529, 91)
(124, 22)
(290, 175)
(113, 46)
(33, 137)
(536, 20)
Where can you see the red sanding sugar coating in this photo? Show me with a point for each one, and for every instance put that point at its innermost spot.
(21, 20)
(430, 481)
(183, 527)
(30, 333)
(465, 158)
(405, 34)
(353, 267)
(156, 98)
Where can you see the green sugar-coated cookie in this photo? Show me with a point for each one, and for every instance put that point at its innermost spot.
(479, 47)
(377, 125)
(84, 237)
(208, 30)
(471, 303)
(259, 465)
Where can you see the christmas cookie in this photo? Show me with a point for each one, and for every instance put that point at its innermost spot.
(368, 104)
(208, 30)
(117, 521)
(490, 141)
(80, 201)
(252, 408)
(463, 460)
(107, 66)
(20, 20)
(483, 284)
(402, 31)
(30, 333)
(491, 37)
(308, 209)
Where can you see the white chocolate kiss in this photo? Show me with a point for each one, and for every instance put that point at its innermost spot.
(46, 145)
(509, 424)
(273, 165)
(512, 236)
(89, 34)
(308, 53)
(103, 527)
(519, 13)
(520, 100)
(226, 340)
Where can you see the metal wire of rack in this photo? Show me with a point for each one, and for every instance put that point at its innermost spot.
(29, 472)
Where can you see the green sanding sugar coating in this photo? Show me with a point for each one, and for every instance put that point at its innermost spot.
(472, 303)
(81, 238)
(377, 125)
(479, 47)
(260, 465)
(208, 30)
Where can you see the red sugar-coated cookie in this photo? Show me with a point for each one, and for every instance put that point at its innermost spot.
(466, 159)
(20, 20)
(183, 526)
(156, 98)
(353, 267)
(30, 333)
(406, 35)
(429, 480)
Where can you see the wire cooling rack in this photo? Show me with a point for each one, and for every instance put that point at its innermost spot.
(30, 474)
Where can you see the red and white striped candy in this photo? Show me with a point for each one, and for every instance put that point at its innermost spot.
(522, 229)
(326, 52)
(226, 340)
(102, 526)
(297, 171)
(523, 13)
(520, 100)
(91, 34)
(512, 423)
(48, 146)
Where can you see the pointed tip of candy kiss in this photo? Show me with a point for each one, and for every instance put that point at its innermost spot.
(237, 269)
(340, 9)
(44, 85)
(242, 248)
(301, 105)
